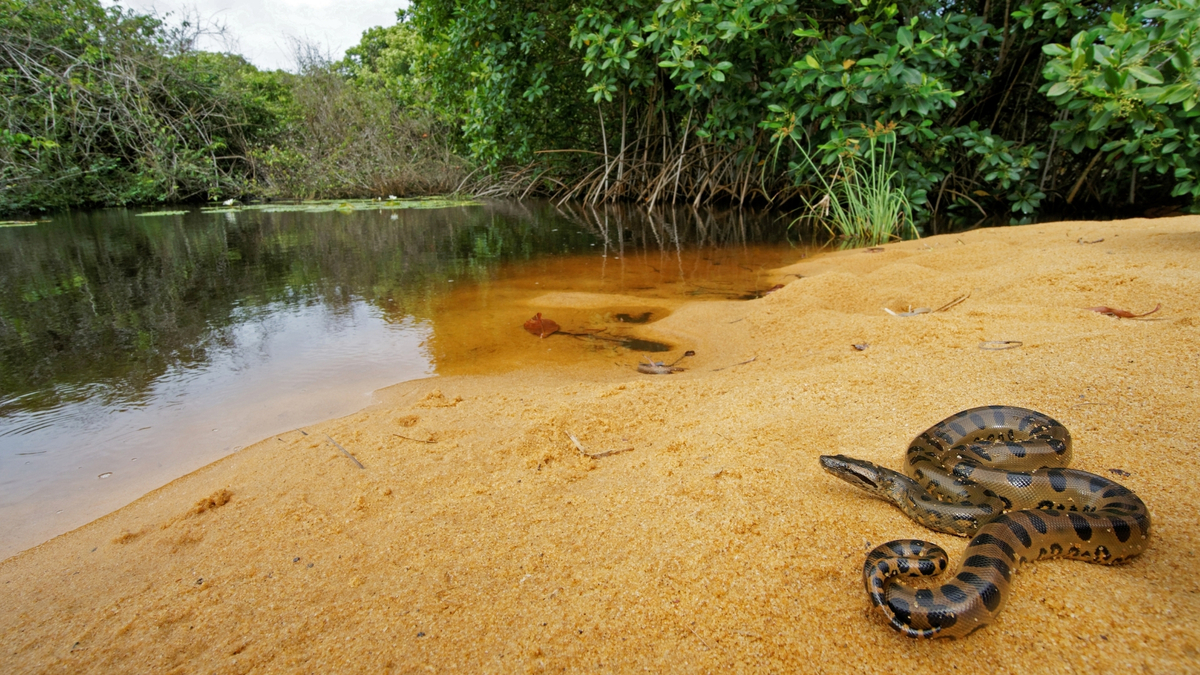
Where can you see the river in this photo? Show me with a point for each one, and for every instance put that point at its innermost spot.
(138, 348)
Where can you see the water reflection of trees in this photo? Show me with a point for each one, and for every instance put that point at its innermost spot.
(100, 305)
(624, 227)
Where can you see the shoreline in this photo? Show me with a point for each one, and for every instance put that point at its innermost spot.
(717, 541)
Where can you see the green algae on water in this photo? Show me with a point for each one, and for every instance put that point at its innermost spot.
(348, 205)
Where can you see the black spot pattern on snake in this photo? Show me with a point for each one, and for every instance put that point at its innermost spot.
(1096, 483)
(926, 568)
(1055, 550)
(1019, 479)
(1115, 491)
(989, 540)
(902, 565)
(981, 452)
(988, 561)
(953, 593)
(1019, 531)
(1120, 528)
(1082, 527)
(1045, 504)
(1036, 521)
(991, 596)
(969, 579)
(942, 617)
(1015, 449)
(900, 608)
(1142, 521)
(1057, 480)
(924, 597)
(897, 547)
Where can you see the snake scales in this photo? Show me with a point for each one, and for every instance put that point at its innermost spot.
(995, 474)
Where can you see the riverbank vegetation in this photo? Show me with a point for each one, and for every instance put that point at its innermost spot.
(986, 108)
(107, 107)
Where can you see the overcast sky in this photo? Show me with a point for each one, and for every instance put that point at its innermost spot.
(261, 28)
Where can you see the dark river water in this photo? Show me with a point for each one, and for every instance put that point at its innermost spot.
(134, 349)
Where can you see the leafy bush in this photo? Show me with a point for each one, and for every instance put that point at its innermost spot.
(999, 109)
(101, 106)
(349, 141)
(106, 107)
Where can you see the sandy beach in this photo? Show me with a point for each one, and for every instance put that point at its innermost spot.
(476, 537)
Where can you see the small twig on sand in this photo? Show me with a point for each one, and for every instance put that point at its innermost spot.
(415, 439)
(1122, 314)
(698, 637)
(926, 310)
(752, 358)
(593, 455)
(998, 345)
(952, 303)
(345, 451)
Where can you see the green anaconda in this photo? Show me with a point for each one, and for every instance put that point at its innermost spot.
(995, 474)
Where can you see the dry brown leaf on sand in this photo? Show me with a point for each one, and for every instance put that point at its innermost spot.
(1122, 314)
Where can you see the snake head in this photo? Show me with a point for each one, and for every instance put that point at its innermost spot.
(857, 472)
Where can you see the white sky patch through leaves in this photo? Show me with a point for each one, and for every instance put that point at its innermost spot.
(260, 30)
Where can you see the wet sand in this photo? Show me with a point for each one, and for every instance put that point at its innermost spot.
(478, 538)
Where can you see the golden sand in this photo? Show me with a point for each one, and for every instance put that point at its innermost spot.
(716, 543)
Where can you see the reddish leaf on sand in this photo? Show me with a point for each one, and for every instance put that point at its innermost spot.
(1122, 314)
(541, 327)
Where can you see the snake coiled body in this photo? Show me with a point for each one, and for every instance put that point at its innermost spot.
(996, 474)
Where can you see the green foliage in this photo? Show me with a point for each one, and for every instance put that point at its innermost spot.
(504, 71)
(386, 60)
(1129, 87)
(998, 109)
(101, 106)
(106, 107)
(346, 138)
